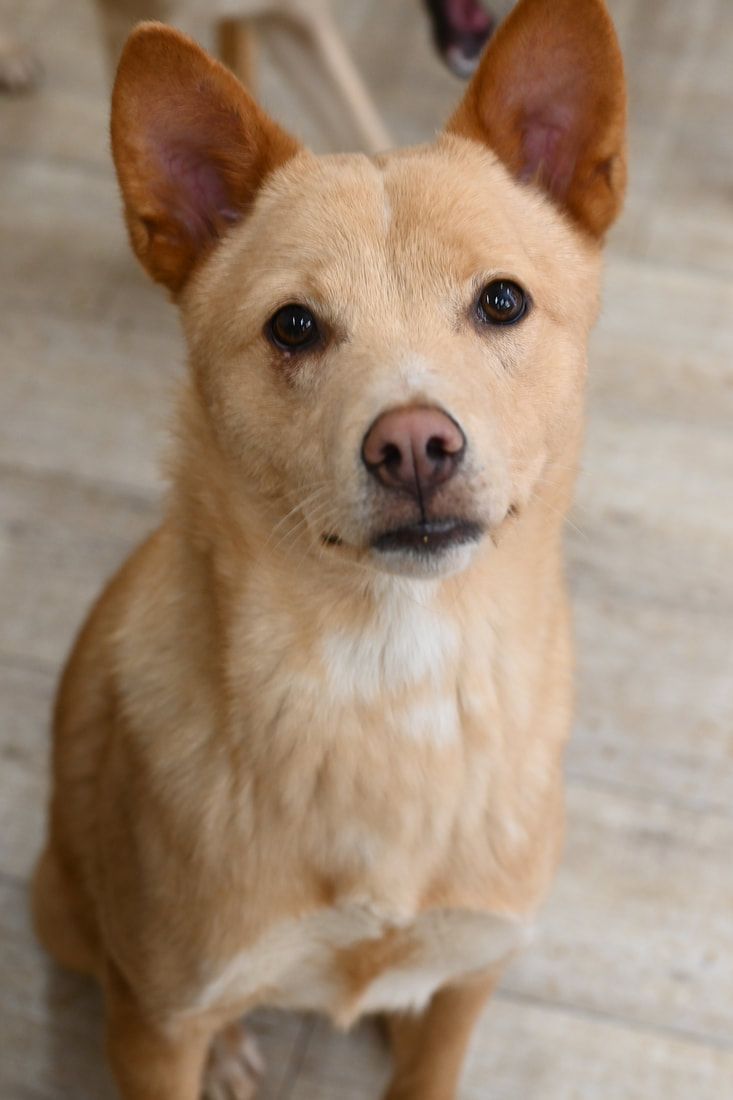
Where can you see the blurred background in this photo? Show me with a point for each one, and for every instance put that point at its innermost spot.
(627, 993)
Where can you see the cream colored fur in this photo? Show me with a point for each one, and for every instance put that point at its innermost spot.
(307, 774)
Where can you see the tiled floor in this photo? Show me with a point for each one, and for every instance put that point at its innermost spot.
(628, 992)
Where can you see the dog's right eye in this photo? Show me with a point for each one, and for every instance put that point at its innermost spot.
(293, 328)
(502, 302)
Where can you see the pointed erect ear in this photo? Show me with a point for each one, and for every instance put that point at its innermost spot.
(191, 149)
(549, 98)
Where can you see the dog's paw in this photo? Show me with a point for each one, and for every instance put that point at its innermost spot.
(20, 70)
(235, 1066)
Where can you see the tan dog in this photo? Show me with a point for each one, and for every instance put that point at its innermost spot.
(308, 745)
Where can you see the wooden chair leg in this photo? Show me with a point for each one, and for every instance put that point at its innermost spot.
(237, 48)
(313, 37)
(332, 54)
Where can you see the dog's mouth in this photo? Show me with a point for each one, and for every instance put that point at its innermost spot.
(425, 539)
(428, 538)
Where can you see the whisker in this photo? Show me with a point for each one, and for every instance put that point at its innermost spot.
(310, 498)
(290, 537)
(559, 512)
(576, 505)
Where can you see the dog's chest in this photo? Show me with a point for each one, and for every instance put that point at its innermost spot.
(392, 673)
(375, 777)
(374, 750)
(350, 960)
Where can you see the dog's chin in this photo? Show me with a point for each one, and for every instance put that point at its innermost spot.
(427, 550)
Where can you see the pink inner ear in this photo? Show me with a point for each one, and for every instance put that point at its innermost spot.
(201, 200)
(549, 152)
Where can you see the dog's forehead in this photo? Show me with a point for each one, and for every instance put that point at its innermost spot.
(445, 211)
(363, 239)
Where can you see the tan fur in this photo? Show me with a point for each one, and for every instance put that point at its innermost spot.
(285, 773)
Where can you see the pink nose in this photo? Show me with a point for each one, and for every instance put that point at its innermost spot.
(413, 449)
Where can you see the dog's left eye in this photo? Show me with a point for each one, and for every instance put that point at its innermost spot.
(293, 328)
(502, 303)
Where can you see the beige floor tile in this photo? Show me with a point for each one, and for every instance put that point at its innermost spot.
(26, 695)
(59, 541)
(638, 926)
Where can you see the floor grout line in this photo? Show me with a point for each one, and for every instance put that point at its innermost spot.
(638, 792)
(131, 494)
(27, 159)
(297, 1058)
(26, 663)
(629, 1023)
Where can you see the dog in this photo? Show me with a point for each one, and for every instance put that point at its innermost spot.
(461, 29)
(308, 744)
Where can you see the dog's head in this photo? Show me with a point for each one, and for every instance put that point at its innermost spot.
(392, 349)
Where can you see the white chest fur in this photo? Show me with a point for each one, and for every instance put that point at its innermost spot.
(297, 964)
(394, 663)
(406, 643)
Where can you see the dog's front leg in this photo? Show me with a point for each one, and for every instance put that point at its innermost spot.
(152, 1059)
(429, 1048)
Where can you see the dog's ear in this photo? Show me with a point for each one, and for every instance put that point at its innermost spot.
(549, 98)
(191, 148)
